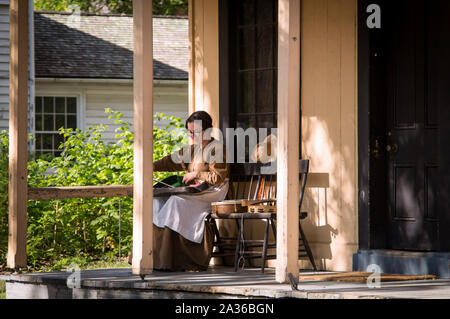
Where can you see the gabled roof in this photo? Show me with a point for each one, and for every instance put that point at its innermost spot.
(101, 46)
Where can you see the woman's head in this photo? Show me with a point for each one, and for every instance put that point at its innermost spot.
(197, 123)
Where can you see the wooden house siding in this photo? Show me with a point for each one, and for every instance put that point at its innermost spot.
(171, 98)
(329, 128)
(4, 64)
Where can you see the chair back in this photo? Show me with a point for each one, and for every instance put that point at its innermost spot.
(251, 181)
(247, 181)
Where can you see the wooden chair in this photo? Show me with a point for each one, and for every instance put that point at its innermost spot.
(249, 185)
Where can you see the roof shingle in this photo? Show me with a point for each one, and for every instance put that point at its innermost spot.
(101, 46)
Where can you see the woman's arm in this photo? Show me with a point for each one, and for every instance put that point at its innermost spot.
(216, 175)
(218, 170)
(167, 164)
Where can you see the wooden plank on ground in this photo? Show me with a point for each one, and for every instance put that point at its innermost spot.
(361, 277)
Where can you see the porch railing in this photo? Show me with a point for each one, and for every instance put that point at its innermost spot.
(66, 192)
(46, 193)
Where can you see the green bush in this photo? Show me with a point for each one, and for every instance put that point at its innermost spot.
(84, 229)
(2, 289)
(3, 196)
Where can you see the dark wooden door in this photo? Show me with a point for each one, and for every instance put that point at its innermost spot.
(414, 52)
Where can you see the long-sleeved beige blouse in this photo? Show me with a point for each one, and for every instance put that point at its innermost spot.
(208, 162)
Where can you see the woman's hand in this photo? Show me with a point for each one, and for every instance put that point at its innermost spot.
(189, 177)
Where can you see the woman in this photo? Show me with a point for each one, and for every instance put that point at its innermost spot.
(182, 238)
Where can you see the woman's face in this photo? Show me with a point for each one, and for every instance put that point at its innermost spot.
(195, 132)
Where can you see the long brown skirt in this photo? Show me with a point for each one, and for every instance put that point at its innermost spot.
(173, 252)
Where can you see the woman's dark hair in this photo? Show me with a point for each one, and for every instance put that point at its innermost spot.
(200, 116)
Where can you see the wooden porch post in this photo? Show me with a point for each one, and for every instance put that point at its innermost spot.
(143, 139)
(288, 138)
(192, 56)
(18, 131)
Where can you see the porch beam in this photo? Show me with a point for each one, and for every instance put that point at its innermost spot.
(204, 57)
(142, 262)
(18, 131)
(288, 139)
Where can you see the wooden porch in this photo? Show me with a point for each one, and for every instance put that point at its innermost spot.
(142, 190)
(217, 282)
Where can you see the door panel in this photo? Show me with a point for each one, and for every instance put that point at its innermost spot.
(412, 110)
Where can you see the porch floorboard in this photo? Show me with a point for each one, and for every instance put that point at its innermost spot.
(217, 282)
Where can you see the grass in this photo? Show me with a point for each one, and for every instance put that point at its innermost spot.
(81, 262)
(123, 263)
(84, 264)
(2, 290)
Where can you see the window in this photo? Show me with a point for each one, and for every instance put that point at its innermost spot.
(52, 113)
(255, 63)
(248, 64)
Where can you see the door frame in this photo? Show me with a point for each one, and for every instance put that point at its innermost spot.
(373, 218)
(365, 235)
(373, 214)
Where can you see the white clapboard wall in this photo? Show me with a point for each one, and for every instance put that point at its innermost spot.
(4, 64)
(170, 98)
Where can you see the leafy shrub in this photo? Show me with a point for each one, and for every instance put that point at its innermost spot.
(85, 229)
(3, 195)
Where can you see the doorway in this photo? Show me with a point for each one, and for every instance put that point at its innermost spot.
(404, 121)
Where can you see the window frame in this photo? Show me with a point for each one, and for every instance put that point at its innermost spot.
(80, 110)
(226, 78)
(229, 68)
(229, 65)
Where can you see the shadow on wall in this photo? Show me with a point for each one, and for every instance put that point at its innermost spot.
(331, 225)
(316, 228)
(330, 200)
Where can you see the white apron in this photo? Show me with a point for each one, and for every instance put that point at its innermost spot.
(186, 214)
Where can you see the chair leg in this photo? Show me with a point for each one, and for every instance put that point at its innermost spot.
(308, 250)
(274, 229)
(264, 252)
(218, 241)
(238, 244)
(302, 234)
